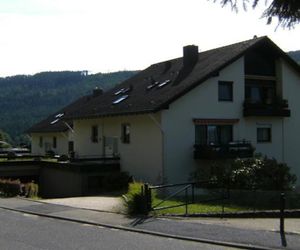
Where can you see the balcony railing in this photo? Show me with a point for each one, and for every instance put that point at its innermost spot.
(272, 107)
(235, 149)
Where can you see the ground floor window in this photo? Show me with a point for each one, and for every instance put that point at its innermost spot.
(41, 141)
(125, 133)
(54, 143)
(264, 134)
(94, 134)
(213, 134)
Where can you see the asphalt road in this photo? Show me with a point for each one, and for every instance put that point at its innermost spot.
(23, 231)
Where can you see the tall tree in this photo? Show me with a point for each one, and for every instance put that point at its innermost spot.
(287, 11)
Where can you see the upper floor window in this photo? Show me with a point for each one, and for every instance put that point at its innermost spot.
(54, 143)
(260, 90)
(125, 133)
(225, 89)
(94, 134)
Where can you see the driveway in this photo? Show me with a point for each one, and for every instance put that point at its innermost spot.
(100, 203)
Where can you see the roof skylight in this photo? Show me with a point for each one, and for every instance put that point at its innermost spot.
(152, 85)
(163, 83)
(54, 121)
(119, 92)
(123, 90)
(59, 115)
(120, 99)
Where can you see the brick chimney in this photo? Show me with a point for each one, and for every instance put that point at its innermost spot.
(190, 55)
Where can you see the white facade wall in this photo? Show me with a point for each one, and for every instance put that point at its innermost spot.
(142, 157)
(202, 102)
(62, 139)
(291, 90)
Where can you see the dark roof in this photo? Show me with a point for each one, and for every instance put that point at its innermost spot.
(54, 122)
(139, 99)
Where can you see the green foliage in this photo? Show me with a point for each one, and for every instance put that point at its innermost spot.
(134, 199)
(250, 173)
(5, 139)
(287, 11)
(31, 190)
(116, 181)
(26, 100)
(10, 188)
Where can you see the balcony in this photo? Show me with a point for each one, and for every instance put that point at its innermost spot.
(273, 107)
(235, 149)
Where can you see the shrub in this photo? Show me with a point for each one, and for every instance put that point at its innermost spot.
(261, 173)
(63, 158)
(116, 181)
(50, 153)
(250, 173)
(134, 199)
(31, 190)
(11, 155)
(10, 188)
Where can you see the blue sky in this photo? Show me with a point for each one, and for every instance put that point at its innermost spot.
(112, 35)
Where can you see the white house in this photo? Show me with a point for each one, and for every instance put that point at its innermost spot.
(162, 121)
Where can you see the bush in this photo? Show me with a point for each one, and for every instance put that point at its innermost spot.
(261, 173)
(50, 153)
(11, 155)
(10, 188)
(116, 181)
(31, 190)
(63, 158)
(134, 199)
(251, 173)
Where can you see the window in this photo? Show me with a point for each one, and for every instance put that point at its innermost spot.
(213, 134)
(125, 133)
(264, 134)
(71, 146)
(225, 91)
(41, 141)
(54, 144)
(94, 134)
(260, 91)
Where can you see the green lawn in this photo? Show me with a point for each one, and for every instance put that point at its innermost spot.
(249, 201)
(195, 208)
(27, 159)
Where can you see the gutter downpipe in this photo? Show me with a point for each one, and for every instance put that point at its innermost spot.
(162, 146)
(283, 140)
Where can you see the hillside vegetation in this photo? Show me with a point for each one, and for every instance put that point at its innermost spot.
(27, 99)
(295, 55)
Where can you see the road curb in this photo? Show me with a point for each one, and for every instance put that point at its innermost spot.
(143, 231)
